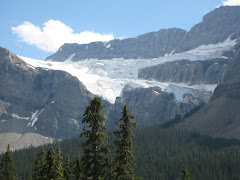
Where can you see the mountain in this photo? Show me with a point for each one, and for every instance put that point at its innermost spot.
(40, 105)
(215, 27)
(150, 45)
(153, 105)
(221, 116)
(158, 75)
(185, 71)
(37, 103)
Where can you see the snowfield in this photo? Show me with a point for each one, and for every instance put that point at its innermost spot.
(107, 78)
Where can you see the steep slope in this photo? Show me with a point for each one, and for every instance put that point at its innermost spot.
(216, 27)
(221, 116)
(185, 71)
(35, 101)
(153, 105)
(150, 45)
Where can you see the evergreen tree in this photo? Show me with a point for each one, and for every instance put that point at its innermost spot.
(185, 175)
(110, 170)
(59, 168)
(38, 165)
(8, 169)
(49, 171)
(94, 141)
(67, 169)
(78, 168)
(124, 165)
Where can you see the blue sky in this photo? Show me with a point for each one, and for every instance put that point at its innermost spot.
(36, 29)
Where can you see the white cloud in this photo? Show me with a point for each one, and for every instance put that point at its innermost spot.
(54, 34)
(231, 3)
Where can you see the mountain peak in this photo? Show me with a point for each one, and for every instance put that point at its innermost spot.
(149, 45)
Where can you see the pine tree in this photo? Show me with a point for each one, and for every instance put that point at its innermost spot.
(124, 159)
(49, 171)
(110, 169)
(67, 169)
(185, 175)
(78, 168)
(38, 165)
(59, 168)
(94, 141)
(8, 168)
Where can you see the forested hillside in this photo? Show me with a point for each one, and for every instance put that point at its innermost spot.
(161, 154)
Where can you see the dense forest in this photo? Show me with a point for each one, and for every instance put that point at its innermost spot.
(160, 152)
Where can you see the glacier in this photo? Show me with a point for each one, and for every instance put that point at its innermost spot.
(107, 78)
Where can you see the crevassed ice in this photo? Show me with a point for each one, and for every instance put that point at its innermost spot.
(107, 78)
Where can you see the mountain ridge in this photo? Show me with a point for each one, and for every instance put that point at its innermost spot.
(215, 27)
(220, 117)
(149, 45)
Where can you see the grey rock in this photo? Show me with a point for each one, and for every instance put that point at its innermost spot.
(60, 98)
(215, 27)
(191, 72)
(150, 45)
(152, 105)
(220, 117)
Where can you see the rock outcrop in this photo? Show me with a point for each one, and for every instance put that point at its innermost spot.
(191, 72)
(152, 105)
(221, 116)
(150, 45)
(215, 27)
(35, 100)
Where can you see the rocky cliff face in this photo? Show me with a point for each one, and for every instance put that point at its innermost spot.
(220, 117)
(33, 100)
(216, 27)
(191, 72)
(152, 105)
(145, 46)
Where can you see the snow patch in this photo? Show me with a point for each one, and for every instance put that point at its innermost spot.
(18, 117)
(34, 118)
(58, 114)
(52, 102)
(108, 46)
(3, 120)
(157, 93)
(70, 57)
(31, 66)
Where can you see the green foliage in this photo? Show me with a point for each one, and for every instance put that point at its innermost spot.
(94, 141)
(67, 169)
(159, 153)
(123, 161)
(162, 153)
(184, 175)
(78, 168)
(38, 165)
(58, 166)
(178, 119)
(49, 170)
(7, 166)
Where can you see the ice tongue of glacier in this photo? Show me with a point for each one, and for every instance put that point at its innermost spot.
(107, 78)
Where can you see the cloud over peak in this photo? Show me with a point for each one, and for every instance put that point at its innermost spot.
(231, 3)
(54, 34)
